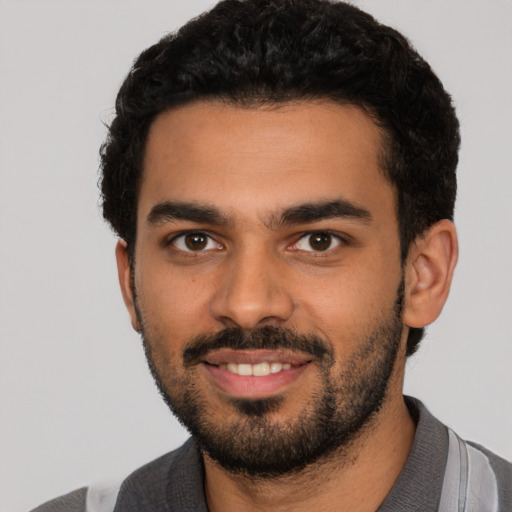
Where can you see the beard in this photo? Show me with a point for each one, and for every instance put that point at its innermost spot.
(249, 441)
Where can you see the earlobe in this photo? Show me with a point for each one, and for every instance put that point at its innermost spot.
(429, 271)
(125, 282)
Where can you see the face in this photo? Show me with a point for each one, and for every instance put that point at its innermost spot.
(267, 279)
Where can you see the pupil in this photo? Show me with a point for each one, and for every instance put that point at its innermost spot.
(196, 241)
(320, 241)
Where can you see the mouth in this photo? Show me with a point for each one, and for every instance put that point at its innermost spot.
(257, 370)
(253, 373)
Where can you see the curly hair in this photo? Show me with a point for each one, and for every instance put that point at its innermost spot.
(266, 52)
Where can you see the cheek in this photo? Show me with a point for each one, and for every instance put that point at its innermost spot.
(346, 304)
(174, 305)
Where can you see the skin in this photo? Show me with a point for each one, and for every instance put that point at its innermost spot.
(251, 164)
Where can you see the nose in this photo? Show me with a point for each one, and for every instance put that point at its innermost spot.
(252, 292)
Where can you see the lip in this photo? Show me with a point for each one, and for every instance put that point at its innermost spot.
(241, 386)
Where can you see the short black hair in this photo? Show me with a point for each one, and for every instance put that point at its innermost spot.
(268, 52)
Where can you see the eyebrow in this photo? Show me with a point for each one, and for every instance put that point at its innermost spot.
(314, 212)
(171, 211)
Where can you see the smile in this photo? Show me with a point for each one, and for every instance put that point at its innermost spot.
(258, 370)
(253, 373)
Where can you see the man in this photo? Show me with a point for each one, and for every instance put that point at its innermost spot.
(281, 175)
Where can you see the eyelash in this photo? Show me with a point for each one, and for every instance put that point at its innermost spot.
(174, 239)
(333, 237)
(340, 240)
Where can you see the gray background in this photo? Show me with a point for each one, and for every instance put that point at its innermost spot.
(76, 401)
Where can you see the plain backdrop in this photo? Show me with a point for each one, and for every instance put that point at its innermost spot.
(77, 403)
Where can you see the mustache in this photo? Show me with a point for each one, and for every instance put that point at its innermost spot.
(267, 337)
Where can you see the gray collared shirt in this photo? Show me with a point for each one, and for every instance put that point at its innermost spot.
(442, 473)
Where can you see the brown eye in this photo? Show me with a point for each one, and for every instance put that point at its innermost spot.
(318, 242)
(194, 242)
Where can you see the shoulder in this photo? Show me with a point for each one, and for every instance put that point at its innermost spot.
(174, 480)
(501, 470)
(501, 467)
(461, 474)
(153, 478)
(148, 484)
(72, 502)
(475, 478)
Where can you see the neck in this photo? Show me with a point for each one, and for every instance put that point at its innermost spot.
(358, 478)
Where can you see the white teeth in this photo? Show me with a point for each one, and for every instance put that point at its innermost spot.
(244, 369)
(258, 370)
(276, 367)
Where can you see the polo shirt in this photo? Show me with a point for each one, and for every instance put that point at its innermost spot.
(442, 473)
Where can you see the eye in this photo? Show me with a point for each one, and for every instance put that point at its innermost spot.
(194, 242)
(320, 241)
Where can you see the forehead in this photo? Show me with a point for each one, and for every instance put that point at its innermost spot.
(258, 159)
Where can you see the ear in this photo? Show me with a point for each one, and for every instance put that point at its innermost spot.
(125, 282)
(429, 271)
